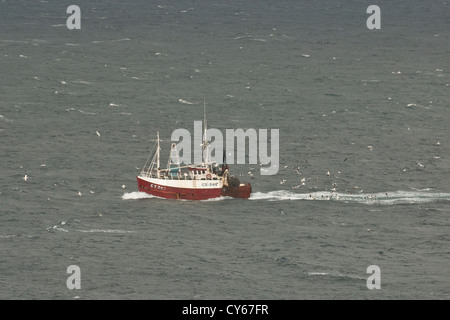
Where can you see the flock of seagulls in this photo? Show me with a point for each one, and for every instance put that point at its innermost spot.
(328, 174)
(303, 180)
(250, 173)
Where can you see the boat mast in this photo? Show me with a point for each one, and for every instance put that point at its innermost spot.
(205, 138)
(157, 155)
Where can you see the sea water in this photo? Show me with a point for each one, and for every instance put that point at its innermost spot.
(363, 117)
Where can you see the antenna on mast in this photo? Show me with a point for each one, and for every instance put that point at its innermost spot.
(158, 149)
(205, 138)
(204, 114)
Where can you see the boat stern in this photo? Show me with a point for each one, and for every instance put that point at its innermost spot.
(243, 191)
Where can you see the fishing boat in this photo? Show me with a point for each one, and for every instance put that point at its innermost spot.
(201, 181)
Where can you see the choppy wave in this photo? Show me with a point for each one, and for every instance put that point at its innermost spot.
(79, 110)
(335, 274)
(185, 101)
(388, 198)
(2, 117)
(56, 228)
(6, 236)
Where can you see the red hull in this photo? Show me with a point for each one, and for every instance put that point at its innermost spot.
(193, 194)
(177, 193)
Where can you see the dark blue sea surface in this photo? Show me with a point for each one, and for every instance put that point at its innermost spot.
(364, 149)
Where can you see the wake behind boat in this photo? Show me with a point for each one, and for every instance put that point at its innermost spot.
(201, 181)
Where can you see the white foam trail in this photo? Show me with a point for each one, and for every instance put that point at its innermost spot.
(105, 231)
(136, 195)
(142, 195)
(6, 236)
(117, 40)
(318, 273)
(14, 41)
(386, 198)
(79, 110)
(416, 105)
(217, 199)
(261, 40)
(81, 82)
(184, 101)
(57, 229)
(382, 198)
(91, 113)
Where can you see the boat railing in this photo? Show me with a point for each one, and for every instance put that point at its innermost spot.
(180, 173)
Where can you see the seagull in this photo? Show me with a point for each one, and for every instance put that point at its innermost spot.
(438, 143)
(25, 178)
(370, 148)
(79, 193)
(98, 133)
(124, 186)
(328, 173)
(282, 181)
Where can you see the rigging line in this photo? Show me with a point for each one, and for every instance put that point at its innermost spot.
(151, 154)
